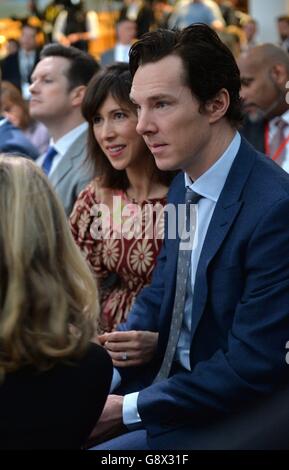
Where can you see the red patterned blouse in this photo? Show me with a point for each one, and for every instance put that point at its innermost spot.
(118, 235)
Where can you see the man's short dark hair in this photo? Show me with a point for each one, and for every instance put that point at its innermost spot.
(283, 18)
(209, 64)
(82, 65)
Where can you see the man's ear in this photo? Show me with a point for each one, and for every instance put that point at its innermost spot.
(279, 74)
(77, 95)
(217, 107)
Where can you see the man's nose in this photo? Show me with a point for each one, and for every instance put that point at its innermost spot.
(33, 87)
(145, 123)
(243, 93)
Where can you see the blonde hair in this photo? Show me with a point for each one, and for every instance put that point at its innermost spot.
(49, 304)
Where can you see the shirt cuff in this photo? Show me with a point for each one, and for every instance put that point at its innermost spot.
(131, 417)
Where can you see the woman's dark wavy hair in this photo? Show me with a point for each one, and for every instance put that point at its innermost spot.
(209, 64)
(114, 80)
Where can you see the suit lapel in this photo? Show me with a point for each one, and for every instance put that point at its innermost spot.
(226, 211)
(67, 161)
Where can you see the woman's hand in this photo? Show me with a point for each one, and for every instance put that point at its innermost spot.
(130, 348)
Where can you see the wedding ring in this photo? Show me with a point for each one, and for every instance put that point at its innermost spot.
(124, 357)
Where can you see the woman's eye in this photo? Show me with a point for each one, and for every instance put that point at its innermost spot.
(119, 115)
(96, 120)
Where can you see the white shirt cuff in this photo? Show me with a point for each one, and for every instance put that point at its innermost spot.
(131, 417)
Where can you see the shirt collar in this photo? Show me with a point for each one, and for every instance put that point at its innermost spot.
(210, 184)
(65, 141)
(284, 117)
(30, 54)
(2, 120)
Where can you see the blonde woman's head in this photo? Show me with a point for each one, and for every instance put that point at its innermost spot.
(48, 299)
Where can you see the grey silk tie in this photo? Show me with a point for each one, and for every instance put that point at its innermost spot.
(183, 269)
(278, 139)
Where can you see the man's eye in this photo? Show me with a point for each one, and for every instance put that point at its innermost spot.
(246, 82)
(161, 104)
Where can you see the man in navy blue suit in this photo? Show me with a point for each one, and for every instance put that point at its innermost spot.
(231, 347)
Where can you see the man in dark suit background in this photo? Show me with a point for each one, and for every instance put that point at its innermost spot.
(17, 68)
(264, 75)
(229, 347)
(126, 34)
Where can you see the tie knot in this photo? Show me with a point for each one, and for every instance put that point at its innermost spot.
(281, 124)
(192, 197)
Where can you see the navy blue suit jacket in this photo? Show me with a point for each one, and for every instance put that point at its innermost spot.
(240, 315)
(12, 140)
(254, 132)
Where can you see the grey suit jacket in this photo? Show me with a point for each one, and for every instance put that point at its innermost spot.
(72, 174)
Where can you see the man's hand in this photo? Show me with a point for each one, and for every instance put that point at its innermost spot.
(73, 37)
(130, 348)
(64, 41)
(110, 423)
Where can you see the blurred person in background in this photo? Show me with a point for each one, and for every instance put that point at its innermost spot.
(140, 11)
(74, 26)
(250, 28)
(12, 46)
(264, 76)
(12, 139)
(195, 11)
(16, 110)
(126, 34)
(283, 31)
(228, 10)
(162, 12)
(17, 68)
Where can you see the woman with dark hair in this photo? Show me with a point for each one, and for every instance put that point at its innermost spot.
(117, 220)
